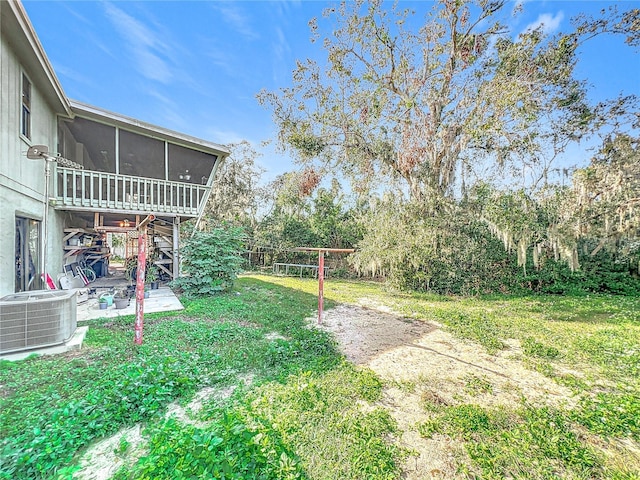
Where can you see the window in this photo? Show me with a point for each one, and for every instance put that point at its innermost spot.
(27, 254)
(88, 143)
(191, 166)
(25, 116)
(141, 155)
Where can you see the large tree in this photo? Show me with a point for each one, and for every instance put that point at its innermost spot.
(304, 214)
(606, 196)
(432, 103)
(236, 195)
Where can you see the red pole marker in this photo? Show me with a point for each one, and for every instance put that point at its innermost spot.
(320, 285)
(140, 275)
(321, 252)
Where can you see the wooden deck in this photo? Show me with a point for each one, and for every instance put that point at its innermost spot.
(110, 192)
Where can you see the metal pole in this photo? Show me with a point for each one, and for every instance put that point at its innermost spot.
(320, 285)
(142, 260)
(321, 252)
(45, 221)
(140, 275)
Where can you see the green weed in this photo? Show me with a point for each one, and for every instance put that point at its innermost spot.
(323, 419)
(123, 446)
(227, 449)
(535, 348)
(304, 414)
(475, 385)
(528, 443)
(611, 414)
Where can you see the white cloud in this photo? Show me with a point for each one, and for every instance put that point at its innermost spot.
(281, 47)
(284, 8)
(83, 29)
(169, 111)
(169, 102)
(223, 137)
(281, 50)
(73, 75)
(546, 22)
(236, 19)
(147, 47)
(223, 59)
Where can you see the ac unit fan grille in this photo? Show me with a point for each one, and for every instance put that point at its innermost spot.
(36, 319)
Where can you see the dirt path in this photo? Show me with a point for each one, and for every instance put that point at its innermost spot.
(420, 361)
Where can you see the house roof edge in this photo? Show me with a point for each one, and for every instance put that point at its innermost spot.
(129, 123)
(31, 37)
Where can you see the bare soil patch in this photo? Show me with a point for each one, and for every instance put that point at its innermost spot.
(104, 458)
(421, 362)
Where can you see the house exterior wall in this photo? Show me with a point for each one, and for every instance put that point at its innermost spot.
(22, 180)
(168, 193)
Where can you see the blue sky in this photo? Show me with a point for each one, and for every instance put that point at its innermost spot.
(196, 66)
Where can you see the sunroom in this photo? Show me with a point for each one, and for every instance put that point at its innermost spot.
(113, 171)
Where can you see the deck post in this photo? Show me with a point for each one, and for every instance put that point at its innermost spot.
(142, 255)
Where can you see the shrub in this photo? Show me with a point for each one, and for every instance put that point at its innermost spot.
(602, 273)
(211, 261)
(443, 250)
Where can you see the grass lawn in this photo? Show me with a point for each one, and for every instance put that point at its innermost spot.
(292, 408)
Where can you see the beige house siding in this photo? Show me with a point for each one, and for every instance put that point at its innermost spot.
(77, 197)
(22, 180)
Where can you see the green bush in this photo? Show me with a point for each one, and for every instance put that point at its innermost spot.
(447, 249)
(444, 250)
(600, 274)
(211, 261)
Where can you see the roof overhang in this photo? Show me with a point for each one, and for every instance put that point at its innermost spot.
(115, 119)
(18, 31)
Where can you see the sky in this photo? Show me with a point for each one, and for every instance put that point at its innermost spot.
(196, 66)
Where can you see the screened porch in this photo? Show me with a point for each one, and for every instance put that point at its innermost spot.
(115, 164)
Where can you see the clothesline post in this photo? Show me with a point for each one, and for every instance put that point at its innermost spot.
(140, 276)
(321, 253)
(320, 285)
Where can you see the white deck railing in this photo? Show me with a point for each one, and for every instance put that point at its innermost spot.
(100, 191)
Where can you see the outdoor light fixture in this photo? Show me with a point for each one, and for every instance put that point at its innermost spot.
(124, 223)
(186, 176)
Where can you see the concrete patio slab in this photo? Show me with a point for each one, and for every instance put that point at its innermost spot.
(161, 300)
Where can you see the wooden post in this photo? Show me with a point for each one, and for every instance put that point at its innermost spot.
(142, 261)
(176, 248)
